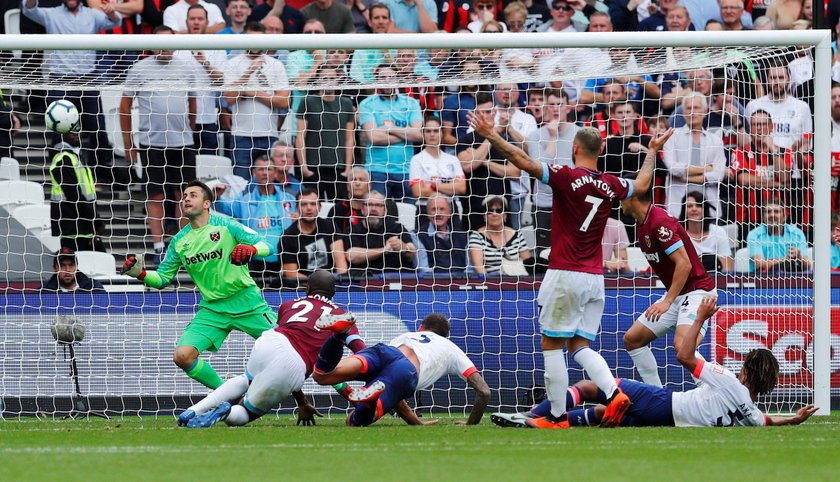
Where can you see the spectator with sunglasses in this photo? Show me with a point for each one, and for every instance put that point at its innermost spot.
(496, 248)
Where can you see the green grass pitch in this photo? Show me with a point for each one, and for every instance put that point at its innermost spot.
(154, 449)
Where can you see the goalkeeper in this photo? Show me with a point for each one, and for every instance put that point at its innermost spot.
(215, 251)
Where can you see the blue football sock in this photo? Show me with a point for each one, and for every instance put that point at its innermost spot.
(330, 355)
(583, 418)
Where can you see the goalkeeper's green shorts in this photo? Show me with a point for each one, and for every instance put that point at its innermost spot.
(209, 329)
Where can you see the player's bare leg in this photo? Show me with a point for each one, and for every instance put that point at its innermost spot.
(637, 343)
(599, 372)
(186, 357)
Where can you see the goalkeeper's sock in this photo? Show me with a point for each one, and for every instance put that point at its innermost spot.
(203, 373)
(646, 365)
(230, 391)
(330, 354)
(556, 380)
(584, 417)
(597, 369)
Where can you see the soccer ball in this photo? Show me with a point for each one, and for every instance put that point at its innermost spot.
(62, 116)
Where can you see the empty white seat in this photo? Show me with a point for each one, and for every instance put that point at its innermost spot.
(742, 260)
(212, 167)
(636, 259)
(9, 169)
(325, 209)
(14, 194)
(11, 23)
(50, 242)
(96, 264)
(529, 234)
(34, 217)
(407, 215)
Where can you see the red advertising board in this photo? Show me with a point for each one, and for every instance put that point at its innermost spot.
(784, 330)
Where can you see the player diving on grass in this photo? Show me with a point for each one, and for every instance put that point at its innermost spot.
(215, 251)
(571, 296)
(722, 400)
(393, 372)
(281, 360)
(670, 252)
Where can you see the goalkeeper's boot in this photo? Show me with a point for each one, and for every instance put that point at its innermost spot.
(616, 408)
(335, 323)
(549, 421)
(367, 394)
(185, 417)
(511, 419)
(212, 417)
(344, 389)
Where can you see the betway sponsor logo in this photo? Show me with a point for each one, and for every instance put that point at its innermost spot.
(202, 257)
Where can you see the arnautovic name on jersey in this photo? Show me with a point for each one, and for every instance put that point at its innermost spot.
(598, 183)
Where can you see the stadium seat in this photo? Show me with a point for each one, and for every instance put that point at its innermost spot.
(35, 217)
(530, 236)
(111, 112)
(636, 259)
(9, 169)
(325, 209)
(50, 242)
(732, 233)
(14, 194)
(96, 264)
(407, 215)
(742, 260)
(212, 167)
(11, 23)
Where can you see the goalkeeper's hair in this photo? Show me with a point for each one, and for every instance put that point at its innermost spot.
(208, 193)
(761, 371)
(321, 282)
(436, 323)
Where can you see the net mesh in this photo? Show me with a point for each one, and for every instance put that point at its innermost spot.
(344, 122)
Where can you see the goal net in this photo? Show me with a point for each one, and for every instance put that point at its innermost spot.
(353, 153)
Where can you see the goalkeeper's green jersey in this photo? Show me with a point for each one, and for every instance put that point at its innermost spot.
(205, 254)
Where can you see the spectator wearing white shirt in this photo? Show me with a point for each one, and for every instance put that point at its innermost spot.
(791, 116)
(694, 157)
(257, 89)
(209, 66)
(433, 171)
(522, 126)
(561, 17)
(175, 16)
(710, 240)
(165, 136)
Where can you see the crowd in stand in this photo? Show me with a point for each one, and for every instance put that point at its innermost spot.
(741, 154)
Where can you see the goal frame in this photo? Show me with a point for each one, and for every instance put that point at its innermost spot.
(820, 40)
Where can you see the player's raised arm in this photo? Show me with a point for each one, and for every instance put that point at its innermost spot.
(160, 278)
(685, 352)
(643, 179)
(484, 125)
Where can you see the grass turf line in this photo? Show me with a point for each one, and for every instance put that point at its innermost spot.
(275, 449)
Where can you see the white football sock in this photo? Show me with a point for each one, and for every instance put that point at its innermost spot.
(597, 369)
(238, 416)
(556, 380)
(230, 391)
(646, 365)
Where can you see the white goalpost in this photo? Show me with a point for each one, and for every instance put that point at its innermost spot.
(124, 361)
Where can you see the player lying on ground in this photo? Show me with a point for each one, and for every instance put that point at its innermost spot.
(393, 372)
(281, 360)
(671, 254)
(571, 296)
(215, 251)
(721, 400)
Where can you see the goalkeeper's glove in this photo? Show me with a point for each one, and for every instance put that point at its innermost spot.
(133, 267)
(242, 254)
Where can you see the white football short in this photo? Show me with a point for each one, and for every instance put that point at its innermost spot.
(275, 370)
(571, 304)
(683, 311)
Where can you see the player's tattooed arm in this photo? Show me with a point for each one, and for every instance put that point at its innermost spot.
(643, 179)
(484, 125)
(482, 397)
